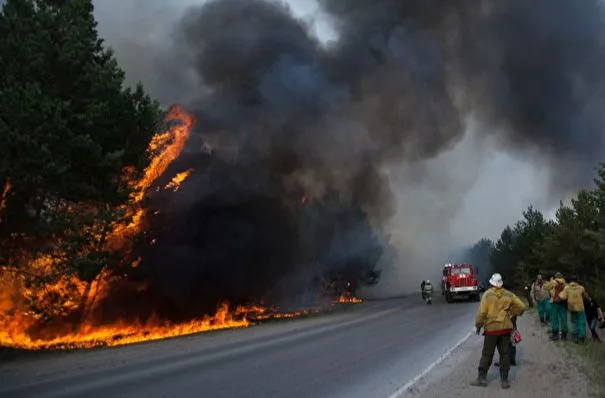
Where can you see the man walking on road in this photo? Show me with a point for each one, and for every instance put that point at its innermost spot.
(497, 308)
(575, 294)
(540, 296)
(558, 316)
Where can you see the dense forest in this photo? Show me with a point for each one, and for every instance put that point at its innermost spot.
(573, 243)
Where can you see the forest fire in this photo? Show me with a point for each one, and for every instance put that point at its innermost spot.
(71, 301)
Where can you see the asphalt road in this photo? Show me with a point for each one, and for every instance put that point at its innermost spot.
(367, 351)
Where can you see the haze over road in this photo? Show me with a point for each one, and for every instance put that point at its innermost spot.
(368, 351)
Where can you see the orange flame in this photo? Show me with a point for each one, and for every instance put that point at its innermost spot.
(61, 294)
(120, 334)
(177, 180)
(346, 298)
(5, 191)
(166, 147)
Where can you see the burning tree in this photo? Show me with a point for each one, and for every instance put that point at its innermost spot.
(69, 131)
(80, 159)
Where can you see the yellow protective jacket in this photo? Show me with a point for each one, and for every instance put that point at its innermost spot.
(551, 287)
(496, 309)
(575, 295)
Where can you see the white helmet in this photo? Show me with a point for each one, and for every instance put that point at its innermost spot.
(427, 282)
(496, 280)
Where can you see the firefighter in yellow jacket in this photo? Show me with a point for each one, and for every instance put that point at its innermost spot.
(558, 312)
(574, 294)
(497, 308)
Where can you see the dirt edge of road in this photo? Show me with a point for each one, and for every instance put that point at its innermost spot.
(555, 370)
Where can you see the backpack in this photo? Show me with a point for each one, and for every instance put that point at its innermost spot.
(558, 289)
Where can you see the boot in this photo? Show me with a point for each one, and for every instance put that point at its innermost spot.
(564, 336)
(554, 336)
(504, 379)
(481, 380)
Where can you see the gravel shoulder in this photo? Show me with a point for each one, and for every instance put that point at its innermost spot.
(544, 369)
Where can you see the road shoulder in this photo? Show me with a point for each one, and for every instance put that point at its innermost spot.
(544, 369)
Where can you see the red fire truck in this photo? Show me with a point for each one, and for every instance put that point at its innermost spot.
(460, 281)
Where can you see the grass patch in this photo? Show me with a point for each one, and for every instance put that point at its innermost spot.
(594, 367)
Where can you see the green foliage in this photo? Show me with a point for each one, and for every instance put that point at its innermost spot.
(573, 243)
(68, 130)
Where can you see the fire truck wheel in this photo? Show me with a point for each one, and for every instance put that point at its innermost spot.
(448, 297)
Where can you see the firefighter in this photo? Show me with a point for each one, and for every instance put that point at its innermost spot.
(497, 308)
(575, 294)
(427, 289)
(540, 297)
(558, 316)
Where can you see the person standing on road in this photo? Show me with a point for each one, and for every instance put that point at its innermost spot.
(541, 298)
(594, 315)
(497, 308)
(575, 294)
(558, 316)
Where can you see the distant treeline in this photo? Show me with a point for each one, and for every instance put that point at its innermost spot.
(573, 243)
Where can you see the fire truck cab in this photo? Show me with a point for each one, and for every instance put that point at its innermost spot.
(460, 281)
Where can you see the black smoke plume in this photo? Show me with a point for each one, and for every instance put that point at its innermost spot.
(294, 191)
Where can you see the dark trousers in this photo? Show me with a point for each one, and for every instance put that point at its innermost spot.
(490, 343)
(513, 355)
(592, 326)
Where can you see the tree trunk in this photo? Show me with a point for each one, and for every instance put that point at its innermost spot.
(83, 307)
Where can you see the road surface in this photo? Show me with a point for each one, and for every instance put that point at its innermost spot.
(367, 351)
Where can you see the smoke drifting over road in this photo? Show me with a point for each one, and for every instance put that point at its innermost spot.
(305, 134)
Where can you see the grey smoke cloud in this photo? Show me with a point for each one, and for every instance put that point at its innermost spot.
(379, 116)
